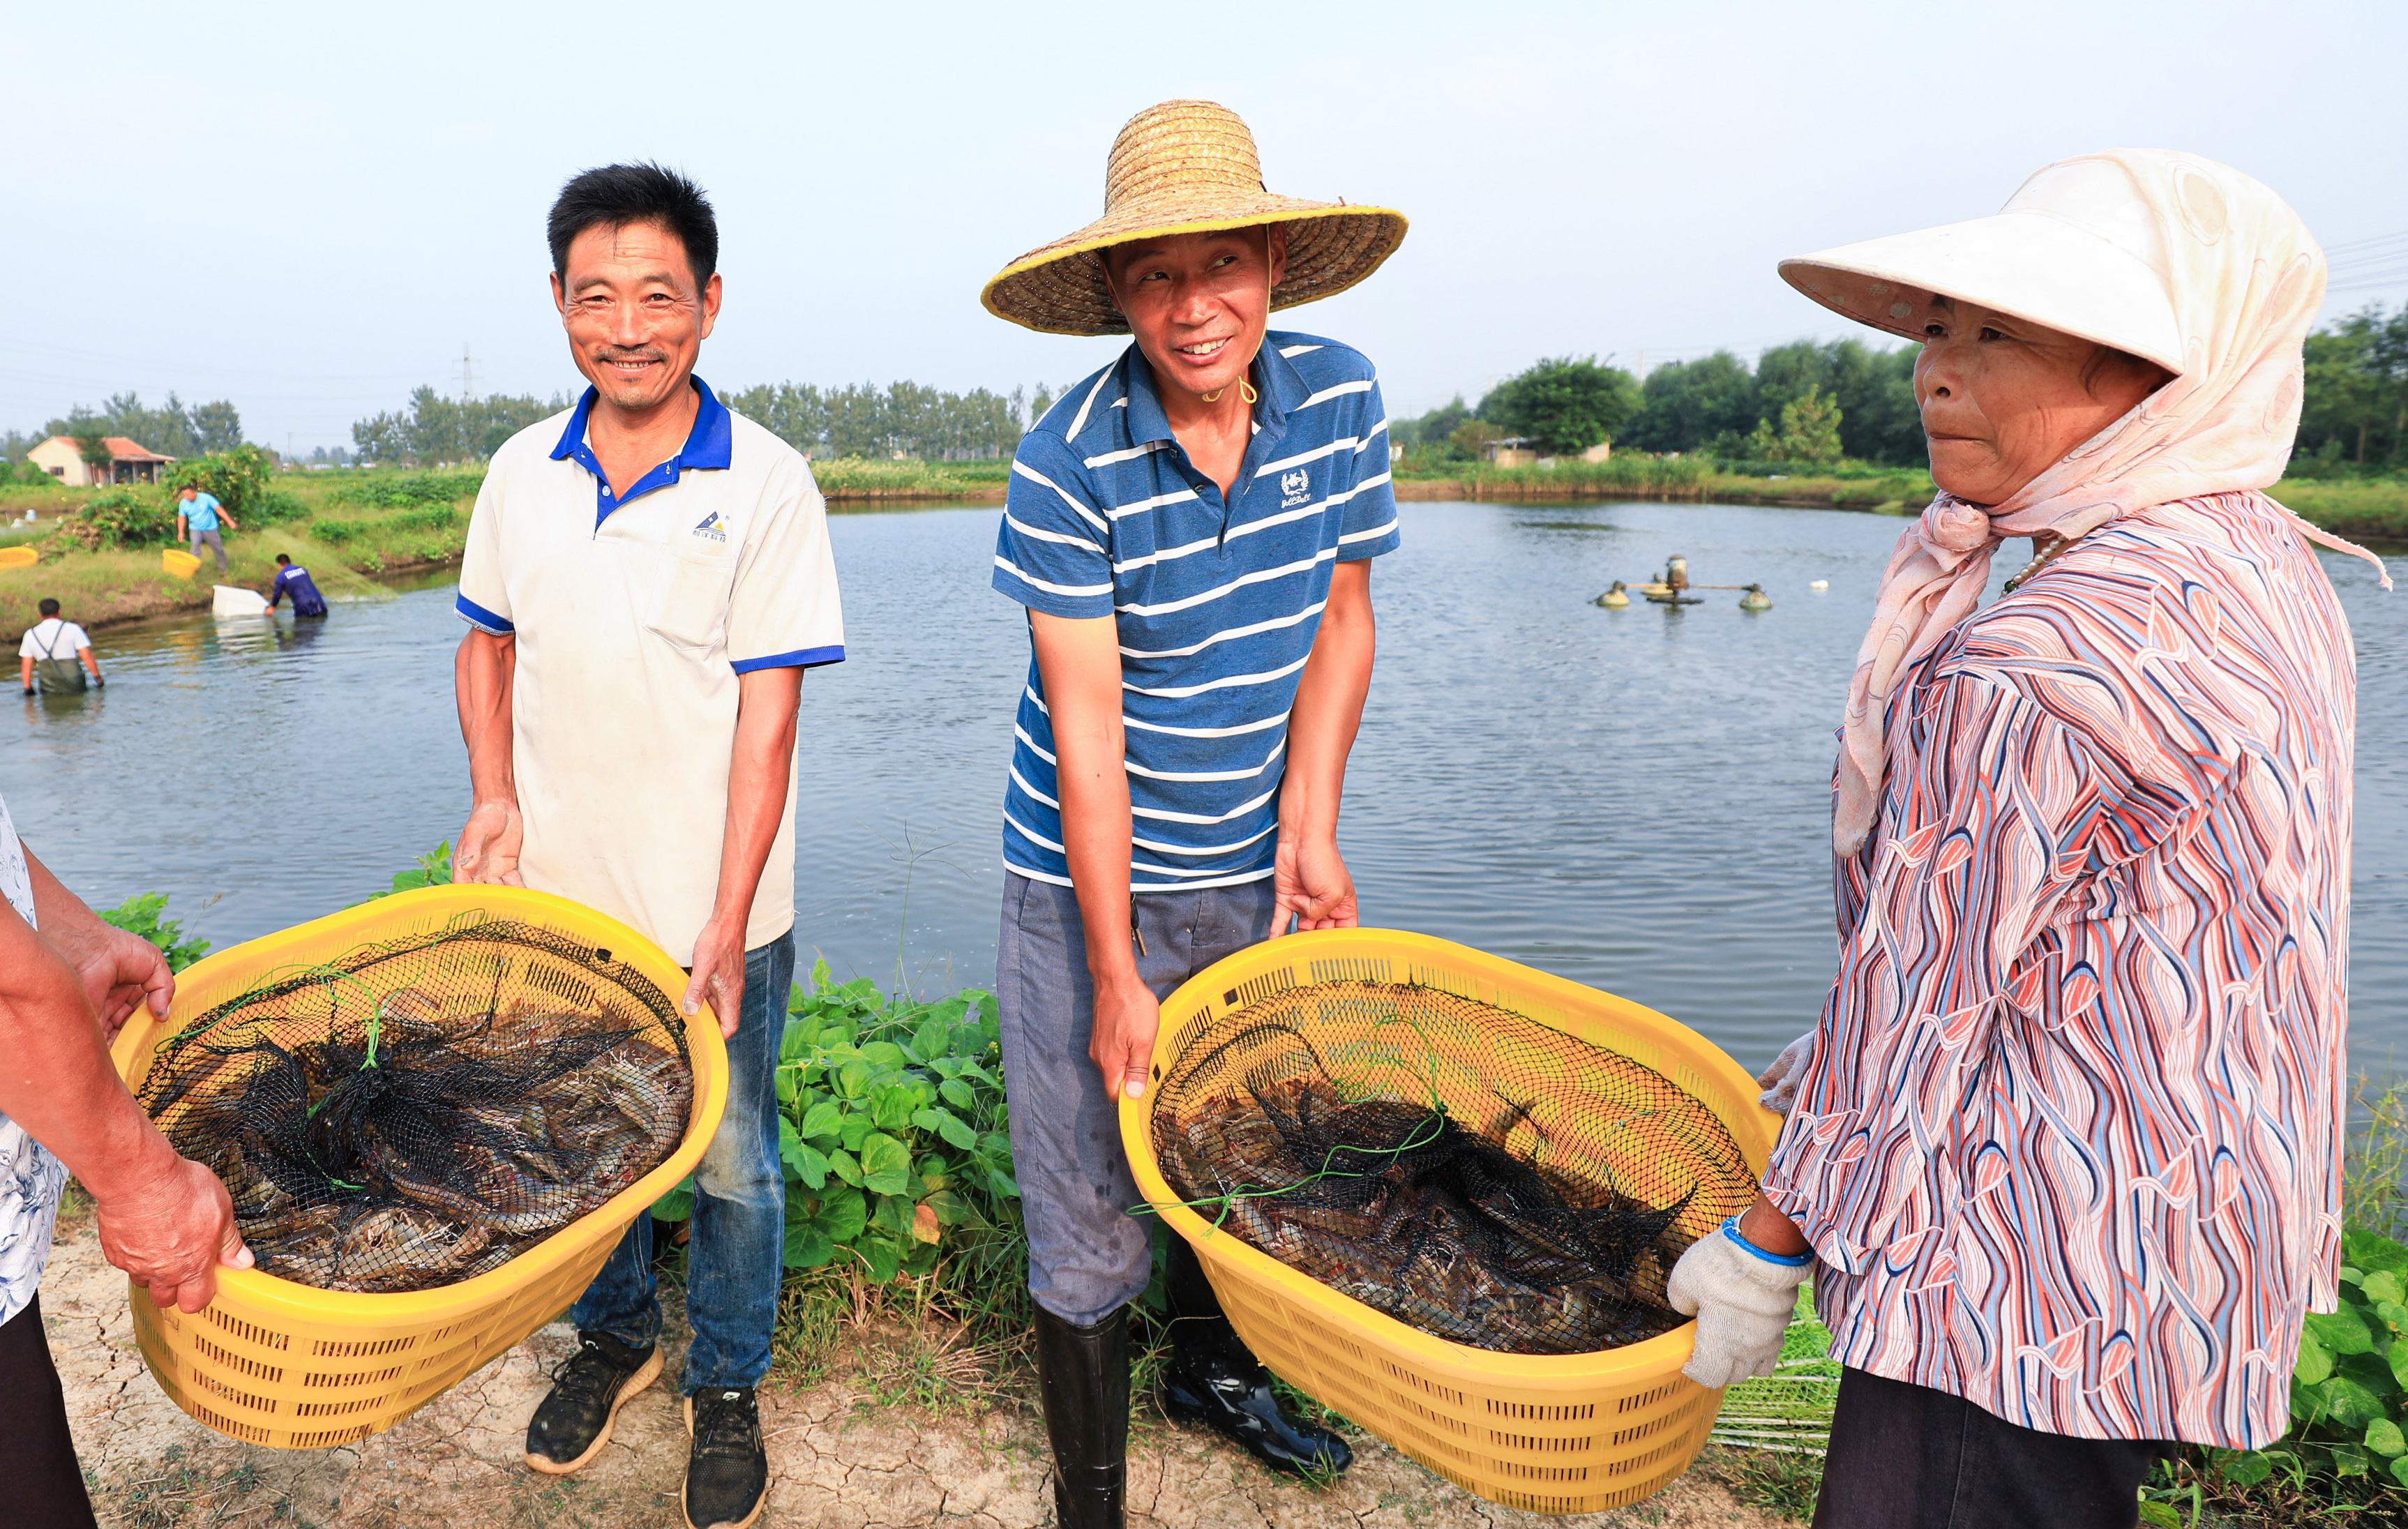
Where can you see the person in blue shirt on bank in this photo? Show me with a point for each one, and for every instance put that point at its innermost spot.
(308, 603)
(1191, 530)
(197, 514)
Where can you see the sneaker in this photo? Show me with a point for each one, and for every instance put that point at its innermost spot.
(588, 1389)
(727, 1472)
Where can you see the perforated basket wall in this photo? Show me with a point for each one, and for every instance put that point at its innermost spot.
(275, 1362)
(1553, 1434)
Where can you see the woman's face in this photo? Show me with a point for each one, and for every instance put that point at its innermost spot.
(2004, 399)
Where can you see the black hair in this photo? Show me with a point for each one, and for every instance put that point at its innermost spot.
(616, 196)
(283, 557)
(49, 607)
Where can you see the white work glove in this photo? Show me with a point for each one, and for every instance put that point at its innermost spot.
(1743, 1302)
(1780, 1081)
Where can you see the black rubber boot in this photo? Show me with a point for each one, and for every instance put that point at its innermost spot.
(1083, 1375)
(1213, 1379)
(571, 1425)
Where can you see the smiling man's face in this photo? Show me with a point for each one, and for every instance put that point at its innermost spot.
(634, 318)
(1198, 303)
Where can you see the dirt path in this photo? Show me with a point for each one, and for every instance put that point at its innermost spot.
(836, 1459)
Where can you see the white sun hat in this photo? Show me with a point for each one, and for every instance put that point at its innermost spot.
(2078, 249)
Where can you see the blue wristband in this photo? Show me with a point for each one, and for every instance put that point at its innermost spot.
(1787, 1261)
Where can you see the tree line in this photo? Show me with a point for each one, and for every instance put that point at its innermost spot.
(1807, 402)
(174, 429)
(1818, 401)
(862, 419)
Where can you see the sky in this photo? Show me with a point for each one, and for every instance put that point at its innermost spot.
(312, 209)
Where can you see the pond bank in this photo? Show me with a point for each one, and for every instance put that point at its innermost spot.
(840, 1454)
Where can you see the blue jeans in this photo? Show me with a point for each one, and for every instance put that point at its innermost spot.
(735, 1260)
(1087, 1255)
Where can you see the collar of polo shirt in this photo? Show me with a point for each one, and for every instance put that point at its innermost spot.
(1283, 389)
(707, 447)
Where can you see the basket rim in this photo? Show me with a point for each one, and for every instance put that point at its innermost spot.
(1649, 1357)
(255, 1291)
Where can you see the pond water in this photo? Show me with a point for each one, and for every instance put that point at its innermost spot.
(1636, 799)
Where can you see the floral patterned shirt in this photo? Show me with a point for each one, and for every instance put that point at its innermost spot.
(2070, 1143)
(30, 1178)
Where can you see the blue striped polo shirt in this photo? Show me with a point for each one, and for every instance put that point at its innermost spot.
(1217, 602)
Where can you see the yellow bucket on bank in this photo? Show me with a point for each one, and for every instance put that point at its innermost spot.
(278, 1363)
(18, 557)
(182, 564)
(1549, 1433)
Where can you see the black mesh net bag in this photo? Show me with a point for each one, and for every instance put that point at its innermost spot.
(426, 1108)
(1469, 1171)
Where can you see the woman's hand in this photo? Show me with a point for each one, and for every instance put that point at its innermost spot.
(1780, 1081)
(1742, 1298)
(171, 1232)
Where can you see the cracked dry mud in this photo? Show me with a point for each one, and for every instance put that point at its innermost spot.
(835, 1460)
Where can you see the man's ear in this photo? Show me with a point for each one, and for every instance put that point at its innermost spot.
(1104, 275)
(559, 295)
(711, 294)
(1275, 252)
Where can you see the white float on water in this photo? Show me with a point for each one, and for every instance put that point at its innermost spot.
(233, 600)
(1820, 584)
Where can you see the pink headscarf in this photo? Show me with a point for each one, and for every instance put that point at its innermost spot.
(2246, 281)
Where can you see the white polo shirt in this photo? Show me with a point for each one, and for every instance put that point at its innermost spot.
(633, 619)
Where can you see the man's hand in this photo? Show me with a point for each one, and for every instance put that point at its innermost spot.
(118, 970)
(717, 974)
(487, 853)
(171, 1232)
(1127, 1014)
(1310, 882)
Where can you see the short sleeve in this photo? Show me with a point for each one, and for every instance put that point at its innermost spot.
(1370, 526)
(784, 612)
(79, 636)
(1054, 552)
(484, 600)
(27, 647)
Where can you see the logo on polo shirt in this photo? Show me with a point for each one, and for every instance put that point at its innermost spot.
(712, 527)
(1294, 488)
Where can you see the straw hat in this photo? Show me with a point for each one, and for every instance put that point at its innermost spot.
(2077, 248)
(1188, 167)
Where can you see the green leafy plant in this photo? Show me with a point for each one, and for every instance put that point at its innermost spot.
(433, 869)
(893, 1130)
(144, 915)
(240, 480)
(2349, 1395)
(123, 518)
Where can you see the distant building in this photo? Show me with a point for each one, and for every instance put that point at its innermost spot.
(128, 462)
(1512, 451)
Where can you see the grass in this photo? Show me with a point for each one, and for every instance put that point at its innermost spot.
(2363, 509)
(345, 540)
(844, 479)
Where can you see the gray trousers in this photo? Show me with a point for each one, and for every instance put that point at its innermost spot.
(1087, 1256)
(215, 540)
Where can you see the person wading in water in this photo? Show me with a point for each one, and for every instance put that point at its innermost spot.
(1191, 530)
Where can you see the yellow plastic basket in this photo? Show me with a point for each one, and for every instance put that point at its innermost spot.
(1552, 1434)
(182, 564)
(18, 557)
(275, 1362)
